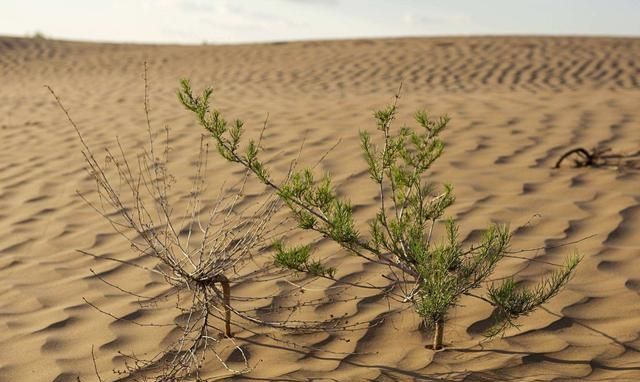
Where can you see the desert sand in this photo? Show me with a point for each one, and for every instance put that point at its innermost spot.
(516, 105)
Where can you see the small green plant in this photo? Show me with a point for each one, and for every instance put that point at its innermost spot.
(431, 274)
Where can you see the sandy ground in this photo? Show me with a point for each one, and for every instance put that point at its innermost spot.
(516, 104)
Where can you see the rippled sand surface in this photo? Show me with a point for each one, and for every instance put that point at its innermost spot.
(516, 105)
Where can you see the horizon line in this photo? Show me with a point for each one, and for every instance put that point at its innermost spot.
(43, 36)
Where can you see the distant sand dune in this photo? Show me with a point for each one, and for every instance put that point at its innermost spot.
(517, 103)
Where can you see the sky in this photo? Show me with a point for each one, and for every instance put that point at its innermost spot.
(239, 21)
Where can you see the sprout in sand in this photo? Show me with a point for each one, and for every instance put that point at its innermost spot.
(430, 273)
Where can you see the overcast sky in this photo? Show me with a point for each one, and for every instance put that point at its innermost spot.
(224, 21)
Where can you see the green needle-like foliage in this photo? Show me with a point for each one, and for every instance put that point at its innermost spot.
(431, 275)
(512, 301)
(297, 258)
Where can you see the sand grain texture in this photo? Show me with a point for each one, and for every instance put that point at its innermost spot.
(516, 105)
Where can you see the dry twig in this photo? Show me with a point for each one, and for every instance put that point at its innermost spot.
(600, 157)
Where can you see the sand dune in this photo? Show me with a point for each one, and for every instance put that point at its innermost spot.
(516, 105)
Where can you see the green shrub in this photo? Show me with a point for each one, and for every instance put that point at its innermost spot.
(431, 275)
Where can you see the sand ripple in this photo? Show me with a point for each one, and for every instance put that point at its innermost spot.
(516, 105)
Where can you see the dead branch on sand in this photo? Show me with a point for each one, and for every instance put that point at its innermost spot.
(197, 257)
(601, 156)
